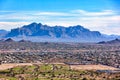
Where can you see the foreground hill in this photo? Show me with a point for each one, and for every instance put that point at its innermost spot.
(54, 72)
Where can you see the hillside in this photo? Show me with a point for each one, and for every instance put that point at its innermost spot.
(70, 53)
(116, 41)
(54, 72)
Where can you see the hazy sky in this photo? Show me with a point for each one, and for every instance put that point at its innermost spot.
(100, 15)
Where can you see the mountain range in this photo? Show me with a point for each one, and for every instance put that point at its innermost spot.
(40, 32)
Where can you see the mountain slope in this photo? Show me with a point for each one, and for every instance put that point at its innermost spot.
(35, 29)
(3, 33)
(42, 33)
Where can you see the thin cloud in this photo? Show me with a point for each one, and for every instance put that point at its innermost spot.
(101, 13)
(101, 21)
(52, 14)
(11, 25)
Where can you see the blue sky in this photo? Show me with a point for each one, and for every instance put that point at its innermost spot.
(100, 15)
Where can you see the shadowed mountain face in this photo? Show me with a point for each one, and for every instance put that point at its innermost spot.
(35, 29)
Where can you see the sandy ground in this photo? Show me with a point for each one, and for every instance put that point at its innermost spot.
(11, 65)
(75, 67)
(92, 67)
(7, 66)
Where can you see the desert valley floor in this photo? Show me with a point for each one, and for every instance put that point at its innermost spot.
(77, 61)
